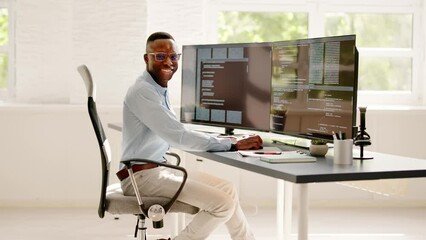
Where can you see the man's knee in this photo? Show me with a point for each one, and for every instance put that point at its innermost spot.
(231, 190)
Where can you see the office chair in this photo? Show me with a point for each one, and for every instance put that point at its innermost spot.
(112, 199)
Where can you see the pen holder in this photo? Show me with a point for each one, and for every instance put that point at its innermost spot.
(343, 152)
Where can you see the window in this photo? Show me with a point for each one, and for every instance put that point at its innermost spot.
(390, 52)
(6, 52)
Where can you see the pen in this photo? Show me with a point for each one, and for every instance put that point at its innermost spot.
(334, 135)
(268, 153)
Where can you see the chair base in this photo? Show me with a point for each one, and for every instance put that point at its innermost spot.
(140, 229)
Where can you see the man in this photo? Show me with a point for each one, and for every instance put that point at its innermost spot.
(150, 127)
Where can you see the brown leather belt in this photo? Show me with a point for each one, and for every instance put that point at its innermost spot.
(124, 173)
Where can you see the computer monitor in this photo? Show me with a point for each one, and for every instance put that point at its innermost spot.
(227, 85)
(314, 87)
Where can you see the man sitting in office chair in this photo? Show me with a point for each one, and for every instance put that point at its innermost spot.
(150, 127)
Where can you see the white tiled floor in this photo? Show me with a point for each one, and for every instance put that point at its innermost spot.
(324, 224)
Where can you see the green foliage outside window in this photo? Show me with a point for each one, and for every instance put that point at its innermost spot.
(373, 30)
(3, 41)
(379, 74)
(3, 70)
(3, 26)
(234, 27)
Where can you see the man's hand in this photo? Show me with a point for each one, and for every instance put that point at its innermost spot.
(249, 142)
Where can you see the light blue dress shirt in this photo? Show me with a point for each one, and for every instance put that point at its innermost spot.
(150, 126)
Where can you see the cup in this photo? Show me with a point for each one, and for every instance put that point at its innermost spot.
(343, 152)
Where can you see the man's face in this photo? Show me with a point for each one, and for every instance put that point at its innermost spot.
(161, 70)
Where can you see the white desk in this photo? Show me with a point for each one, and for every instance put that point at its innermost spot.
(383, 166)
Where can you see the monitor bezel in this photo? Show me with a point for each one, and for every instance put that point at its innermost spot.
(228, 128)
(328, 137)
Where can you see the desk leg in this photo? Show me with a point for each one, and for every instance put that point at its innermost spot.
(303, 212)
(284, 209)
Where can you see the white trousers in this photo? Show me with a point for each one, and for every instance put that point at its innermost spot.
(215, 197)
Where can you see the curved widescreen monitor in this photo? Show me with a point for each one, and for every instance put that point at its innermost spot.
(227, 85)
(305, 88)
(314, 87)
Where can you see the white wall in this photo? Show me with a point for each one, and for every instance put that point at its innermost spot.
(54, 37)
(48, 152)
(49, 155)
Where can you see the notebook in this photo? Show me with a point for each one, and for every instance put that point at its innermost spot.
(278, 156)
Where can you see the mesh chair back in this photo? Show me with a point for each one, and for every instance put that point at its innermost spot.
(103, 143)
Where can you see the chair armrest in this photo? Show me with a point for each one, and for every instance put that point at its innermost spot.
(128, 164)
(175, 156)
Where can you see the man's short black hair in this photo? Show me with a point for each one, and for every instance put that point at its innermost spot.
(159, 35)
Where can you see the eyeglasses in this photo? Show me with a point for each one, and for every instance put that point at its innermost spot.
(161, 56)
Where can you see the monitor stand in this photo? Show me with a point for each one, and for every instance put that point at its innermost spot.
(297, 142)
(228, 131)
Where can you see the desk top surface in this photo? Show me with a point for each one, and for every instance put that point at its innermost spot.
(383, 166)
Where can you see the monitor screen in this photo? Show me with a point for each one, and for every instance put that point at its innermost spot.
(314, 87)
(227, 85)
